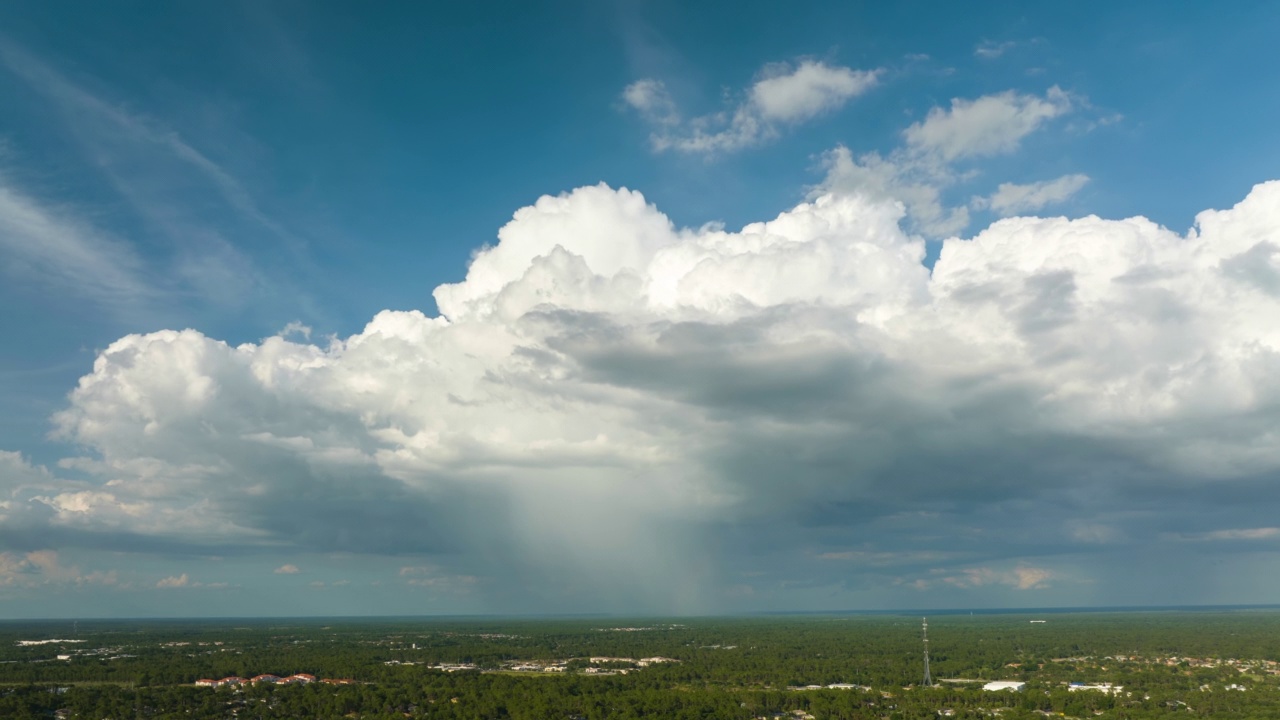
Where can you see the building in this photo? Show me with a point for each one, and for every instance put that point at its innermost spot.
(1014, 685)
(1100, 687)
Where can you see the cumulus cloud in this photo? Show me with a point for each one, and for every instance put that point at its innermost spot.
(650, 98)
(617, 412)
(917, 184)
(784, 94)
(918, 173)
(287, 569)
(45, 567)
(788, 94)
(1011, 198)
(174, 581)
(991, 49)
(989, 125)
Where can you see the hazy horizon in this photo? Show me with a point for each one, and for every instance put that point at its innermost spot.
(899, 612)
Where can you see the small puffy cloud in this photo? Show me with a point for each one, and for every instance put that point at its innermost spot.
(989, 125)
(796, 94)
(296, 328)
(784, 94)
(919, 172)
(1031, 578)
(652, 100)
(1012, 199)
(174, 581)
(991, 49)
(287, 569)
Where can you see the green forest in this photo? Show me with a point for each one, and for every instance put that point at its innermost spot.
(1208, 664)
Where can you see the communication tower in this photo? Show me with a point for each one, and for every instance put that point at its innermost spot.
(928, 679)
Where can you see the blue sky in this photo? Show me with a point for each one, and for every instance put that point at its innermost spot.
(327, 309)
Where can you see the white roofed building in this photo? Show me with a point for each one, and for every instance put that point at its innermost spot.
(1014, 685)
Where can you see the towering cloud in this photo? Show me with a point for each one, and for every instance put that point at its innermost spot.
(617, 408)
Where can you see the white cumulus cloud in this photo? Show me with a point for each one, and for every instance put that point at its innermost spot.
(784, 94)
(608, 405)
(991, 49)
(989, 125)
(1012, 198)
(174, 581)
(919, 172)
(796, 94)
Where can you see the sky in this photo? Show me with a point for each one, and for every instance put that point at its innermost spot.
(637, 307)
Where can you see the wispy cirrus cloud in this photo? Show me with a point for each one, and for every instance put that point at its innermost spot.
(191, 230)
(47, 244)
(118, 137)
(1241, 534)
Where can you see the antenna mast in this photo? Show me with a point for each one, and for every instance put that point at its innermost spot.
(928, 679)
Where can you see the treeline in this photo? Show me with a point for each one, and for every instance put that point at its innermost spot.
(498, 697)
(728, 668)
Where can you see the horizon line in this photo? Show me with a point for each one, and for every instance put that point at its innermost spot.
(905, 612)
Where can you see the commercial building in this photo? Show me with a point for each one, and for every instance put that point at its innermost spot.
(1014, 685)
